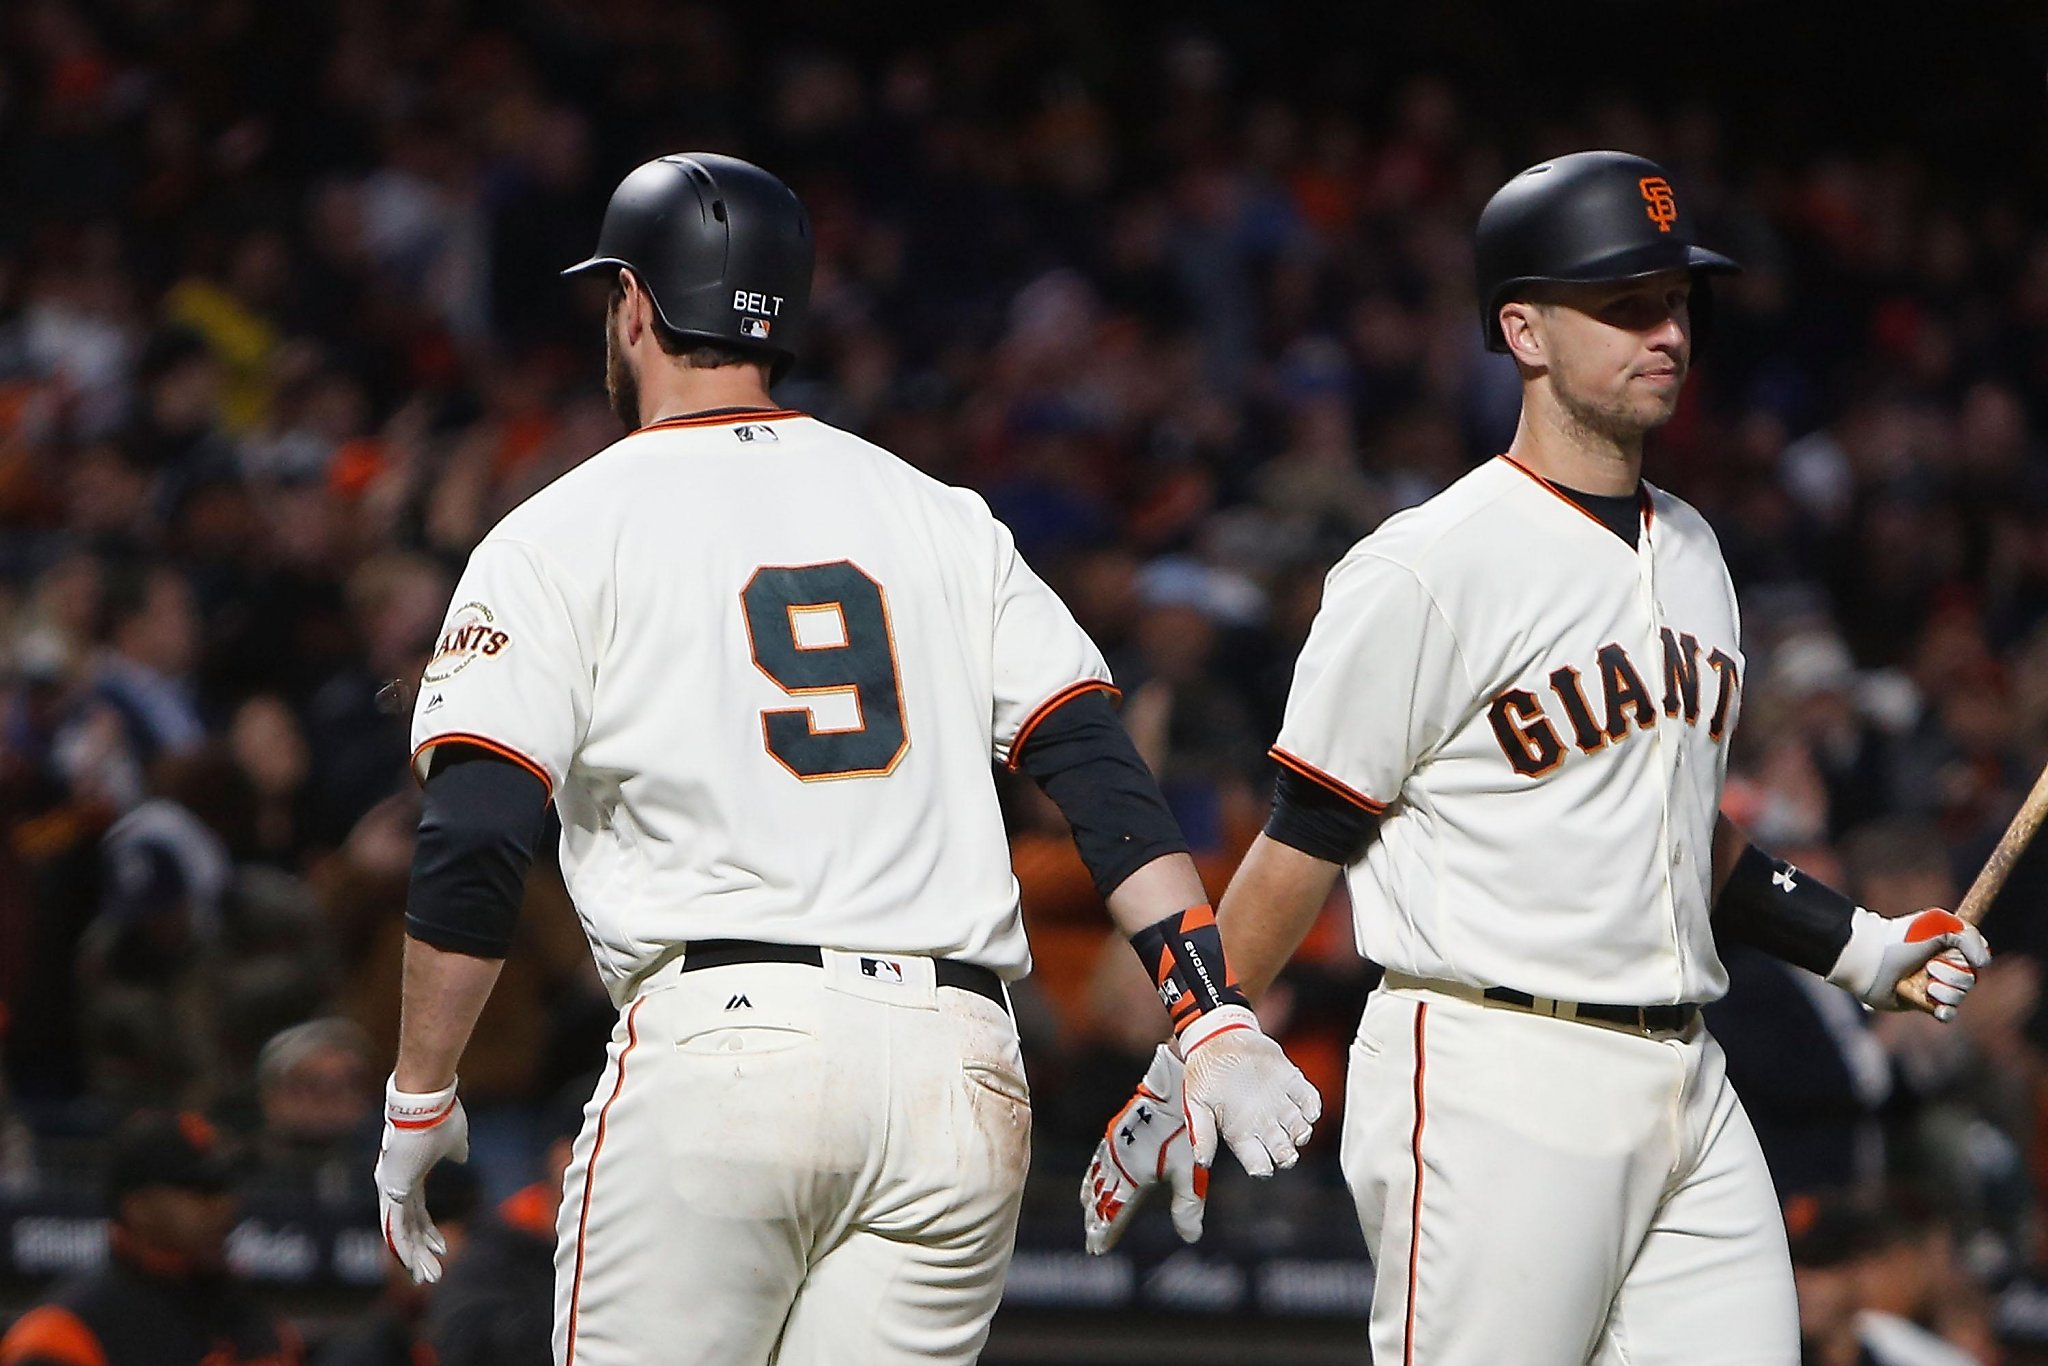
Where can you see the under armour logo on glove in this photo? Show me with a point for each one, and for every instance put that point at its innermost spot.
(1139, 1118)
(1783, 877)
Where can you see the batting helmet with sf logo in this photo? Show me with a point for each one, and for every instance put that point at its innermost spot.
(1586, 217)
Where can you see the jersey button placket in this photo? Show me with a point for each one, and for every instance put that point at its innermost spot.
(1666, 748)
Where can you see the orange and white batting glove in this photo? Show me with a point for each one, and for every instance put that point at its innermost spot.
(1239, 1084)
(420, 1128)
(1146, 1143)
(1884, 951)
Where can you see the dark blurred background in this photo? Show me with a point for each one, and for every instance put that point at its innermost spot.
(1184, 290)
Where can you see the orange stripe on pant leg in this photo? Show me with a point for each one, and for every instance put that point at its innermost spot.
(1415, 1209)
(590, 1174)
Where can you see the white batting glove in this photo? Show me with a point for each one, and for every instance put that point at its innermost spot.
(1884, 951)
(1145, 1143)
(1240, 1084)
(420, 1128)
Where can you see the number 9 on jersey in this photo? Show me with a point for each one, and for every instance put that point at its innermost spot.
(819, 630)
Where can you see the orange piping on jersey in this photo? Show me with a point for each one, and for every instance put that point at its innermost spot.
(590, 1174)
(502, 751)
(1415, 1206)
(52, 1333)
(719, 420)
(1316, 775)
(1642, 495)
(1051, 705)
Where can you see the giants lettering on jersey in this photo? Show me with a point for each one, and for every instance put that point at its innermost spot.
(1530, 737)
(472, 633)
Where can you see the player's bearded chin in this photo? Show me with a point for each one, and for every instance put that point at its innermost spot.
(1612, 416)
(621, 385)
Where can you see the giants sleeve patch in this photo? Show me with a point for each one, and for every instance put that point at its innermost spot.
(472, 633)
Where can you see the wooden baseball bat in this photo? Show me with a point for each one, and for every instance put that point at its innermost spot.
(1990, 878)
(2011, 845)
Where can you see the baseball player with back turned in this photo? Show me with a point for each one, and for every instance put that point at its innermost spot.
(762, 669)
(1509, 729)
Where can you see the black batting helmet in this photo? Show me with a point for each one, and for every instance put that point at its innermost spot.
(722, 248)
(1588, 216)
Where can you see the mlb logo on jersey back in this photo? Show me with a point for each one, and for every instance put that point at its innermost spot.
(882, 970)
(755, 431)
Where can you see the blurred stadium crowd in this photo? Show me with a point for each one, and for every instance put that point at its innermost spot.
(280, 337)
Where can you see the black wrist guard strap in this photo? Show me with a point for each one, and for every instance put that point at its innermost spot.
(1184, 954)
(1771, 905)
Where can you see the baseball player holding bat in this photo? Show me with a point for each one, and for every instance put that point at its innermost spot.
(762, 669)
(1509, 730)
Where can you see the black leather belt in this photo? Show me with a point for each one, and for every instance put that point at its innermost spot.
(1670, 1019)
(721, 953)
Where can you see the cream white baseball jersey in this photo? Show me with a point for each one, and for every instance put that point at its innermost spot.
(764, 667)
(718, 641)
(1498, 641)
(1540, 713)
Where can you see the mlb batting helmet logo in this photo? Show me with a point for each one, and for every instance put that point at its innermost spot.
(1658, 201)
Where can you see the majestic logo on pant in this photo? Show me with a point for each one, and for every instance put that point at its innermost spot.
(739, 1002)
(1530, 739)
(882, 970)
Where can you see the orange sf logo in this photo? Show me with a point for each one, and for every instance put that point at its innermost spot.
(1658, 201)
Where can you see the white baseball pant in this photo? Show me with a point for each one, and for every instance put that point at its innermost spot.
(795, 1165)
(1552, 1192)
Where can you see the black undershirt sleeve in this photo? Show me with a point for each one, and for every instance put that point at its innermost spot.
(1082, 757)
(1320, 823)
(1770, 905)
(477, 831)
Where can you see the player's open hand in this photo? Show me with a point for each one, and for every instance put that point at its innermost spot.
(1927, 961)
(1145, 1143)
(1240, 1085)
(420, 1128)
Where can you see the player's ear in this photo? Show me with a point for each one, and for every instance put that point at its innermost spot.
(633, 307)
(1520, 325)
